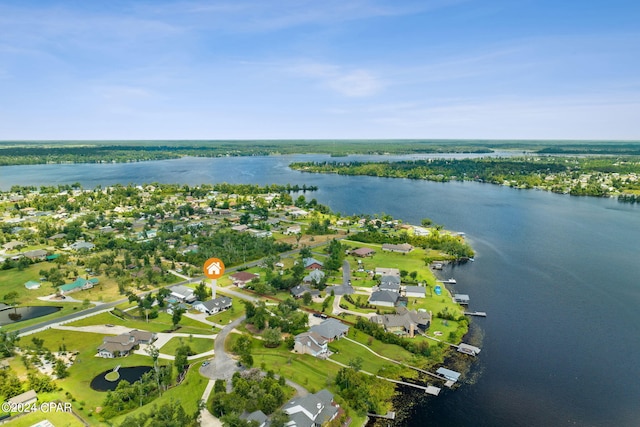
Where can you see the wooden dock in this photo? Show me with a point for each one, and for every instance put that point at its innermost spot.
(389, 416)
(432, 390)
(475, 313)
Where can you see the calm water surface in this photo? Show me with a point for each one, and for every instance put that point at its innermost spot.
(558, 276)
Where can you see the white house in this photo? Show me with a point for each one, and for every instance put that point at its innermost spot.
(213, 306)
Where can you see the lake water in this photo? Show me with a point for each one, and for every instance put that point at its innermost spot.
(558, 276)
(18, 314)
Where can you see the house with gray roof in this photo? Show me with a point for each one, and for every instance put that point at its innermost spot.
(257, 416)
(300, 290)
(121, 345)
(404, 322)
(183, 293)
(311, 343)
(384, 298)
(389, 283)
(315, 276)
(14, 244)
(36, 255)
(312, 410)
(213, 306)
(331, 329)
(82, 245)
(414, 291)
(403, 248)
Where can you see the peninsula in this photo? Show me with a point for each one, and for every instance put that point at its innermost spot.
(107, 310)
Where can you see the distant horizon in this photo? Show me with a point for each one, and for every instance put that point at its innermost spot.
(606, 140)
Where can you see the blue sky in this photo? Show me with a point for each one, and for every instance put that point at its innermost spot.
(290, 69)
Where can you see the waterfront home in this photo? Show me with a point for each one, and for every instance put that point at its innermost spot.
(311, 343)
(312, 410)
(241, 278)
(213, 306)
(404, 322)
(330, 329)
(414, 291)
(403, 248)
(384, 298)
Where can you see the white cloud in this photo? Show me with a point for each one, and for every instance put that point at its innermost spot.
(349, 82)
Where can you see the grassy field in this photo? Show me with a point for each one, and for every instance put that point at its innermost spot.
(161, 324)
(197, 345)
(56, 418)
(188, 393)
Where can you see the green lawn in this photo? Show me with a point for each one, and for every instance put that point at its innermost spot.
(197, 345)
(161, 324)
(188, 393)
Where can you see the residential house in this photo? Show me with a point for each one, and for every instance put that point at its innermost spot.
(403, 248)
(384, 298)
(121, 345)
(315, 276)
(183, 293)
(300, 290)
(240, 228)
(294, 229)
(363, 252)
(213, 306)
(382, 271)
(36, 255)
(79, 284)
(82, 245)
(14, 244)
(312, 264)
(241, 278)
(257, 416)
(312, 410)
(389, 283)
(331, 329)
(23, 400)
(414, 291)
(311, 343)
(404, 322)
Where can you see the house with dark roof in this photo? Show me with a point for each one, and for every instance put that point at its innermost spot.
(384, 298)
(404, 322)
(389, 283)
(300, 290)
(331, 329)
(257, 416)
(241, 278)
(121, 345)
(312, 410)
(213, 306)
(311, 343)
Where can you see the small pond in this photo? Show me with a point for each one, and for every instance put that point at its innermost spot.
(131, 374)
(17, 314)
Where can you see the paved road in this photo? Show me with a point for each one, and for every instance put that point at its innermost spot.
(223, 366)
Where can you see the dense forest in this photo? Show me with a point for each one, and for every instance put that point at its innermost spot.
(41, 152)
